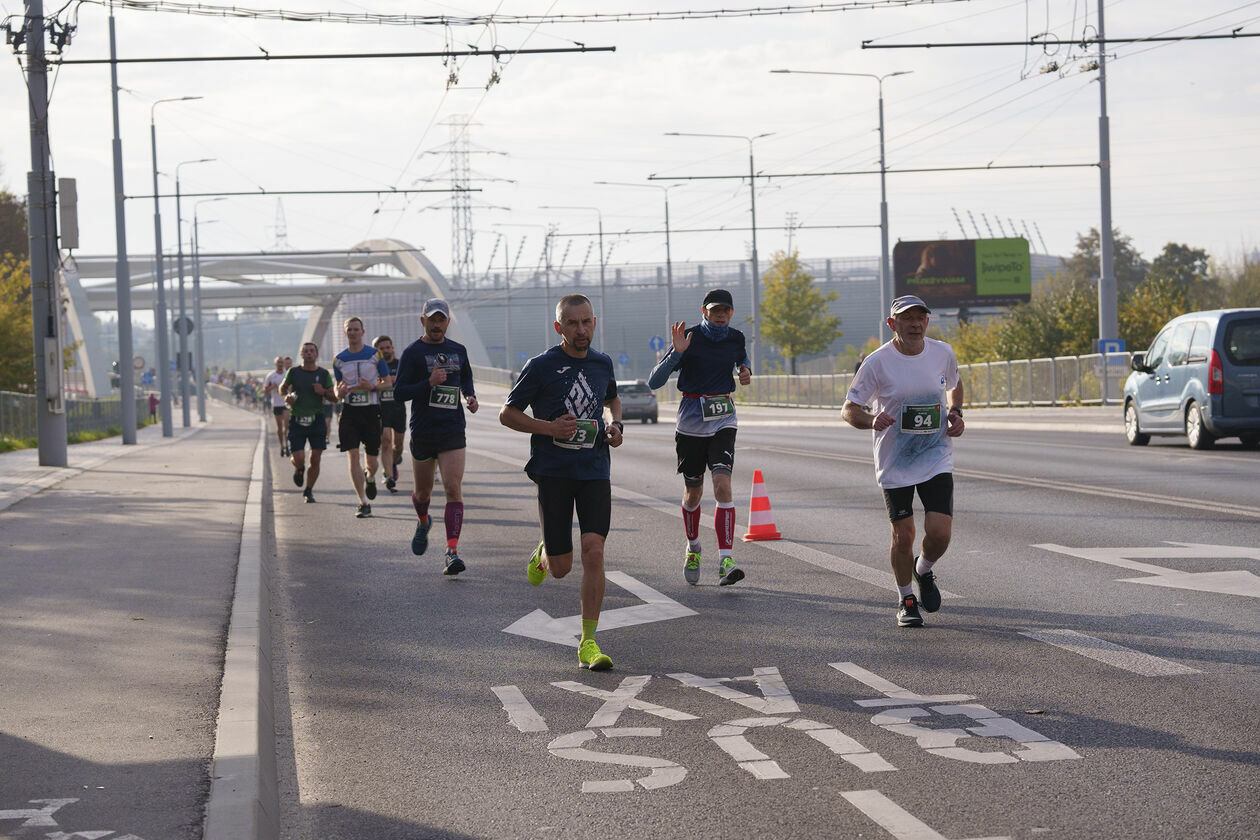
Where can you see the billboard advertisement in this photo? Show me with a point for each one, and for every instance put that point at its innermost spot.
(950, 273)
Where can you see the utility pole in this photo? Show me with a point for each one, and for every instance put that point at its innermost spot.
(1108, 317)
(42, 226)
(122, 272)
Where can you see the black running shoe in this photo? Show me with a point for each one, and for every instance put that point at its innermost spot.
(391, 485)
(370, 490)
(908, 615)
(420, 540)
(453, 564)
(299, 475)
(363, 511)
(308, 496)
(929, 595)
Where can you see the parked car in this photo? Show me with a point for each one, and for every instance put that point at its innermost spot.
(637, 400)
(1199, 378)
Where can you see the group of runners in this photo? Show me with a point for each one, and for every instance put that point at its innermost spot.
(907, 392)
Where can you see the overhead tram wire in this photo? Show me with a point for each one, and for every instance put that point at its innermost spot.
(495, 53)
(1033, 42)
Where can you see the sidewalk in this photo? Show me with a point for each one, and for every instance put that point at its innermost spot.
(117, 577)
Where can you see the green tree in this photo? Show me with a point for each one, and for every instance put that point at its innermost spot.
(13, 239)
(17, 352)
(794, 314)
(1129, 266)
(1188, 269)
(1152, 304)
(1241, 286)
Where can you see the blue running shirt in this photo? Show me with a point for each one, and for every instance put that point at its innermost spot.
(435, 411)
(363, 366)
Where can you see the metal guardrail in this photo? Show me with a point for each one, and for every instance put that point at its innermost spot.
(1094, 379)
(18, 416)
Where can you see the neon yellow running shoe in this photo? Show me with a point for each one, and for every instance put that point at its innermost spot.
(589, 656)
(729, 573)
(536, 573)
(691, 567)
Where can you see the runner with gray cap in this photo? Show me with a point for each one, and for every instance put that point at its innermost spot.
(433, 373)
(912, 385)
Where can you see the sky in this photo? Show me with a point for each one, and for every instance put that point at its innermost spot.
(1184, 127)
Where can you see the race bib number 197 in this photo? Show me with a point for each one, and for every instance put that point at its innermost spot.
(717, 407)
(583, 438)
(921, 419)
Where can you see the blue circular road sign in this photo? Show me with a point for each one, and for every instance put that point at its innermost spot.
(657, 343)
(624, 359)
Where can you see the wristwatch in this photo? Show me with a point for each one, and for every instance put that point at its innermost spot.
(621, 427)
(955, 409)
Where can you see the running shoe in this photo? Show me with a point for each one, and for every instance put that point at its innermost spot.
(363, 511)
(729, 572)
(391, 485)
(535, 572)
(929, 595)
(370, 490)
(590, 656)
(299, 475)
(691, 567)
(308, 496)
(420, 539)
(453, 564)
(908, 614)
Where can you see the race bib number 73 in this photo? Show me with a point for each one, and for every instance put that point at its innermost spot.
(583, 437)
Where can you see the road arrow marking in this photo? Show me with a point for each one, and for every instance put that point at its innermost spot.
(566, 631)
(1237, 582)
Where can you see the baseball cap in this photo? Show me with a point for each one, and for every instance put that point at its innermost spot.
(718, 297)
(436, 305)
(905, 302)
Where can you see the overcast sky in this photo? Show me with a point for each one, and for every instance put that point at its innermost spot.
(1185, 126)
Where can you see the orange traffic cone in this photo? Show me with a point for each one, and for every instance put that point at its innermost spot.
(760, 517)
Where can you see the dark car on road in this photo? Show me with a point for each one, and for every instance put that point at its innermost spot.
(637, 400)
(1199, 378)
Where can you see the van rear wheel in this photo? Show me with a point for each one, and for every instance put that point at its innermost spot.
(1196, 433)
(1132, 432)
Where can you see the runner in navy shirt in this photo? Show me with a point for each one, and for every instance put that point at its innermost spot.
(432, 374)
(567, 388)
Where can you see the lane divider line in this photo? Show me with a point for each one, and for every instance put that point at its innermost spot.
(1109, 653)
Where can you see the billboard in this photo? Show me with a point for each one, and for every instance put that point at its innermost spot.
(964, 272)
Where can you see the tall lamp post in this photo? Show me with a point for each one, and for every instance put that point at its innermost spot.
(159, 307)
(601, 245)
(201, 346)
(755, 348)
(669, 266)
(885, 270)
(182, 330)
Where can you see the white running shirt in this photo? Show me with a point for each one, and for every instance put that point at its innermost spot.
(276, 379)
(912, 390)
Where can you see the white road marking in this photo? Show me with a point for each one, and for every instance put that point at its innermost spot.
(566, 631)
(776, 699)
(520, 713)
(625, 697)
(894, 819)
(37, 817)
(665, 773)
(730, 738)
(895, 694)
(1110, 653)
(1236, 582)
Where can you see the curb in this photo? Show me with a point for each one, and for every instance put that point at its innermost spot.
(244, 801)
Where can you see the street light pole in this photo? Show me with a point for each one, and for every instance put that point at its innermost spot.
(122, 273)
(754, 349)
(201, 346)
(159, 306)
(182, 366)
(669, 266)
(601, 246)
(885, 270)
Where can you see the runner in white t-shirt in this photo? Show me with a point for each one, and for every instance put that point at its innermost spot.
(912, 385)
(279, 408)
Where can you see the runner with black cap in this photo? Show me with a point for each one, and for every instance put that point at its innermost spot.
(433, 373)
(706, 357)
(912, 384)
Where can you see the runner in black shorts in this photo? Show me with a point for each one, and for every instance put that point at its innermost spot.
(705, 357)
(567, 389)
(360, 375)
(432, 374)
(307, 389)
(393, 416)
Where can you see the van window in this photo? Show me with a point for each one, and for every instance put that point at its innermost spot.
(1201, 344)
(1155, 355)
(1179, 345)
(1242, 342)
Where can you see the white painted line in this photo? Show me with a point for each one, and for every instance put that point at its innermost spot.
(894, 819)
(894, 695)
(1234, 582)
(1109, 653)
(520, 713)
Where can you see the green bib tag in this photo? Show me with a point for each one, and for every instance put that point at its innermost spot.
(444, 396)
(304, 421)
(583, 438)
(358, 398)
(387, 395)
(921, 419)
(715, 408)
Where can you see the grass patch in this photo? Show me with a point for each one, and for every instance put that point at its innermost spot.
(94, 434)
(8, 444)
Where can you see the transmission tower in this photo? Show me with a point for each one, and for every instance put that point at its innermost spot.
(281, 228)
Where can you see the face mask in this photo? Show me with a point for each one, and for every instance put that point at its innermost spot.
(712, 331)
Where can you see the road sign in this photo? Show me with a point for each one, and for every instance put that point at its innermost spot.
(623, 359)
(657, 343)
(147, 379)
(522, 356)
(1111, 345)
(183, 326)
(137, 362)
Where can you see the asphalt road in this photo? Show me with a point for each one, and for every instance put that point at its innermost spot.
(1093, 671)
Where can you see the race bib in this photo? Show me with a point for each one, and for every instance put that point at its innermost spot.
(304, 421)
(583, 438)
(387, 395)
(444, 396)
(921, 419)
(358, 398)
(715, 408)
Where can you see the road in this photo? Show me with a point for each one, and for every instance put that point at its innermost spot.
(1092, 672)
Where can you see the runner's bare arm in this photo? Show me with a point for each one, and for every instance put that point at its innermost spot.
(859, 418)
(517, 420)
(614, 430)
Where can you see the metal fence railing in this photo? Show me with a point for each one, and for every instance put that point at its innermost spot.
(18, 419)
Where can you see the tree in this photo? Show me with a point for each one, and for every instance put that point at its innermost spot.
(1241, 286)
(1188, 269)
(13, 238)
(794, 314)
(1152, 304)
(17, 351)
(1128, 264)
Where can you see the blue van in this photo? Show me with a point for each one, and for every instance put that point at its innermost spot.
(1199, 378)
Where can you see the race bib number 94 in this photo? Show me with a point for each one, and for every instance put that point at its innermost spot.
(921, 419)
(444, 396)
(715, 408)
(583, 438)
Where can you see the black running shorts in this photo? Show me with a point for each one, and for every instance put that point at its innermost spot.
(360, 425)
(936, 494)
(394, 416)
(428, 448)
(312, 430)
(717, 453)
(557, 498)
